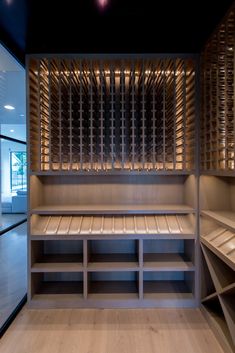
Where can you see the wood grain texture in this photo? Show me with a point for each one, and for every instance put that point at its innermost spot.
(110, 331)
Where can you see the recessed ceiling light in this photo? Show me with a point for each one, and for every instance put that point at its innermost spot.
(12, 130)
(9, 107)
(21, 114)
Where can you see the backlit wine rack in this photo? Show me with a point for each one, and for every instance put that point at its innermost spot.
(217, 118)
(217, 185)
(110, 115)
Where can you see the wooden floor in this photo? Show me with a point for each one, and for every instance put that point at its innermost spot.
(109, 331)
(13, 270)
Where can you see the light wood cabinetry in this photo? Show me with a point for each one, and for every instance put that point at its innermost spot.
(217, 184)
(113, 189)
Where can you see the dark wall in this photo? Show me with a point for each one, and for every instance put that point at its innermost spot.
(131, 26)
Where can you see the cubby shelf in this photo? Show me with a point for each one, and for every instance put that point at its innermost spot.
(167, 262)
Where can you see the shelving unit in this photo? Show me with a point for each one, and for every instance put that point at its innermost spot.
(217, 184)
(113, 190)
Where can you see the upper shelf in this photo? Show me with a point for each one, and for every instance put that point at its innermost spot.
(113, 209)
(225, 218)
(150, 171)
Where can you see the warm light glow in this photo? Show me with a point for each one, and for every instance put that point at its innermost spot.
(102, 3)
(9, 107)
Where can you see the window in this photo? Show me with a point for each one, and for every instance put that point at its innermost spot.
(18, 161)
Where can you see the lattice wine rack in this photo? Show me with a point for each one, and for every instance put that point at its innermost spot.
(110, 115)
(217, 118)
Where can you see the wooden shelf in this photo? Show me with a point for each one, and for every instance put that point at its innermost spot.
(167, 290)
(167, 262)
(60, 287)
(222, 242)
(113, 262)
(113, 290)
(209, 297)
(112, 209)
(121, 225)
(59, 263)
(225, 218)
(110, 172)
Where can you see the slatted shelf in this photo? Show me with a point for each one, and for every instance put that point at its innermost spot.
(225, 218)
(222, 242)
(111, 225)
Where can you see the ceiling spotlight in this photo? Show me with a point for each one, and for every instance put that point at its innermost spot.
(21, 114)
(9, 107)
(12, 130)
(102, 3)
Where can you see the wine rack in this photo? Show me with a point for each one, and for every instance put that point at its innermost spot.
(111, 115)
(217, 116)
(112, 175)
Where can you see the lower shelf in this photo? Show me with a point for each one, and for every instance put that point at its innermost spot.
(165, 290)
(113, 290)
(60, 287)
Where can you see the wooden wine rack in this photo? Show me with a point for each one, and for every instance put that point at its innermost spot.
(112, 181)
(217, 185)
(111, 115)
(217, 117)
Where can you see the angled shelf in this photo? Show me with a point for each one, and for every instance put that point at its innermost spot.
(224, 218)
(111, 225)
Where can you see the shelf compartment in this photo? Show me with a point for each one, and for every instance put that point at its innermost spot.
(177, 225)
(56, 256)
(168, 255)
(222, 275)
(63, 283)
(168, 285)
(207, 284)
(113, 286)
(215, 316)
(112, 255)
(221, 241)
(227, 301)
(68, 195)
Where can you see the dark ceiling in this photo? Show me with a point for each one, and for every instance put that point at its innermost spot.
(124, 26)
